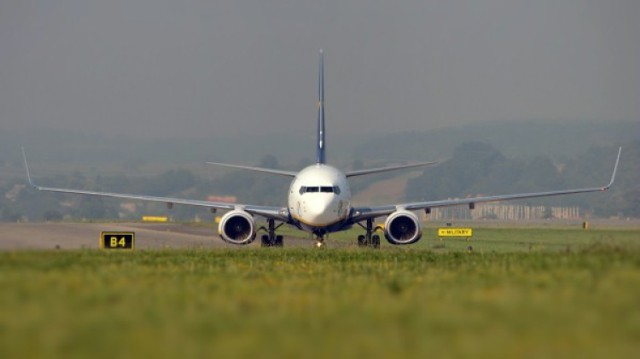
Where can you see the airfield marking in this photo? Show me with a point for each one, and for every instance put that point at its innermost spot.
(117, 240)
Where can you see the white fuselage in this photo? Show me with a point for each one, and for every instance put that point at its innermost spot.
(319, 198)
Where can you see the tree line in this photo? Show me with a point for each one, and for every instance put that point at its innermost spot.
(475, 168)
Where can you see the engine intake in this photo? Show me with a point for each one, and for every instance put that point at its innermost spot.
(402, 227)
(237, 227)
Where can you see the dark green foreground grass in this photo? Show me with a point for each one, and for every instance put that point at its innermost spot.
(582, 302)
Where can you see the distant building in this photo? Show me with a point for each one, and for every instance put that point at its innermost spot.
(511, 212)
(223, 199)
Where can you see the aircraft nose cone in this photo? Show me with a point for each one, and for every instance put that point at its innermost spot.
(319, 211)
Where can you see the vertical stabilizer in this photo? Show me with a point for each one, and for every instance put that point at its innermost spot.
(321, 143)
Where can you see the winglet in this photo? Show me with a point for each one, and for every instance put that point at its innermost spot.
(26, 167)
(615, 169)
(321, 143)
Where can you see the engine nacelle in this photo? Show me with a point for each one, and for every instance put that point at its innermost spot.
(237, 227)
(402, 227)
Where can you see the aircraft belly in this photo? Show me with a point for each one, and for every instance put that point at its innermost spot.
(331, 227)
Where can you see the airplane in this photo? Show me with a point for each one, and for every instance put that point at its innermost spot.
(319, 200)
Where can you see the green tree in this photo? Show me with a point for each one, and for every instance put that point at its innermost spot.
(52, 215)
(470, 163)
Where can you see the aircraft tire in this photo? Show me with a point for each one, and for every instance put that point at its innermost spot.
(375, 241)
(264, 240)
(279, 241)
(362, 242)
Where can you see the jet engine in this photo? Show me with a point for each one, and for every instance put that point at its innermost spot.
(237, 227)
(402, 227)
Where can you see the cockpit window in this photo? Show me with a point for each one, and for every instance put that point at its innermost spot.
(322, 189)
(308, 189)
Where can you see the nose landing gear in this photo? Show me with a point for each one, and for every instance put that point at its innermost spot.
(320, 237)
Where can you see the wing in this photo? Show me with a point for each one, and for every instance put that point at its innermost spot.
(360, 214)
(264, 211)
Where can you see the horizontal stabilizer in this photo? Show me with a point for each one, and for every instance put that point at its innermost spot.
(389, 168)
(256, 169)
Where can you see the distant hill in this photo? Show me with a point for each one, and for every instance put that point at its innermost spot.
(556, 139)
(559, 140)
(58, 146)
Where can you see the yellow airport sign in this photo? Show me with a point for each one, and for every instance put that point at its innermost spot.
(455, 232)
(154, 219)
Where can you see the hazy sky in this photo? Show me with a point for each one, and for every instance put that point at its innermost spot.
(168, 68)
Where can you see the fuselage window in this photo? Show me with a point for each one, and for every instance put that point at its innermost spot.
(336, 189)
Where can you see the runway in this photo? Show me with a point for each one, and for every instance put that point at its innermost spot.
(46, 236)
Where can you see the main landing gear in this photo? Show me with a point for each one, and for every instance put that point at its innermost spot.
(369, 239)
(271, 239)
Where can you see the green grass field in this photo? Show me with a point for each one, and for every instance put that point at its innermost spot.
(532, 293)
